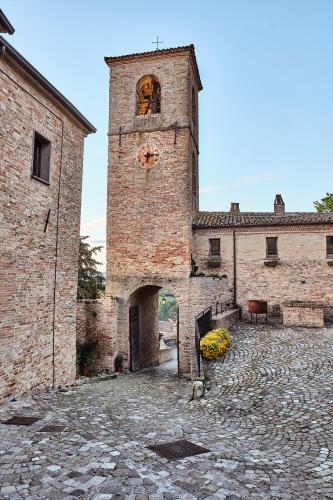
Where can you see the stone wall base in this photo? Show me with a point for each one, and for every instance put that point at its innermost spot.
(299, 313)
(226, 319)
(164, 355)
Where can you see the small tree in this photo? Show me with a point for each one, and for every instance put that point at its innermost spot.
(167, 308)
(326, 203)
(91, 282)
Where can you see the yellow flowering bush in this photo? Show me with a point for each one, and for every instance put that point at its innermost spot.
(215, 344)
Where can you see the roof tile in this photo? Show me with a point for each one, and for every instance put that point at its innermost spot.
(171, 50)
(227, 219)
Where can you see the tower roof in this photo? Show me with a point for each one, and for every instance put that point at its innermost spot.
(160, 52)
(5, 26)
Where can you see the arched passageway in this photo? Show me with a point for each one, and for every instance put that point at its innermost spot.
(153, 328)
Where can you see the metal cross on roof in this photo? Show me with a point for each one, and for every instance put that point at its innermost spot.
(157, 42)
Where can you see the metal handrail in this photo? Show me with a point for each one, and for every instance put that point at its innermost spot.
(201, 328)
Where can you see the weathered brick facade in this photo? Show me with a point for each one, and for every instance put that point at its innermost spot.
(301, 271)
(150, 211)
(38, 260)
(94, 322)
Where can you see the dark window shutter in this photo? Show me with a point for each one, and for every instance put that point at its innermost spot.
(271, 247)
(214, 247)
(45, 162)
(41, 158)
(329, 245)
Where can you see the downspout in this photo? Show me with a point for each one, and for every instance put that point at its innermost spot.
(235, 266)
(56, 259)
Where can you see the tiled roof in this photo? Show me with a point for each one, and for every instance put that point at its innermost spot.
(227, 219)
(8, 50)
(172, 50)
(5, 25)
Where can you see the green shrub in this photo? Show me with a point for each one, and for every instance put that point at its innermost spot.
(86, 357)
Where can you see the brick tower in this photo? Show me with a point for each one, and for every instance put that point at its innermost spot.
(152, 195)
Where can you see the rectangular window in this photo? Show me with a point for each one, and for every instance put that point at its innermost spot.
(329, 246)
(271, 247)
(41, 161)
(214, 247)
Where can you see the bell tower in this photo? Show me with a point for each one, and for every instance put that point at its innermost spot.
(152, 199)
(153, 163)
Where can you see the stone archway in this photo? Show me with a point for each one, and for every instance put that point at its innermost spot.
(144, 333)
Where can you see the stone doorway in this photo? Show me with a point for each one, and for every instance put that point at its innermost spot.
(153, 329)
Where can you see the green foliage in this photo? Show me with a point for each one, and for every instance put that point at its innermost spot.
(91, 282)
(325, 204)
(167, 305)
(210, 275)
(86, 356)
(214, 263)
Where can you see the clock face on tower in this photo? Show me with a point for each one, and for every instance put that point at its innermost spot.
(147, 156)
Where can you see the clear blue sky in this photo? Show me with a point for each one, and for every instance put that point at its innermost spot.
(266, 111)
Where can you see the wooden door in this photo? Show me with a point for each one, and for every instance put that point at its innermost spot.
(134, 335)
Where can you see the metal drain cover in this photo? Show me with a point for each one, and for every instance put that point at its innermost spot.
(177, 450)
(52, 428)
(21, 420)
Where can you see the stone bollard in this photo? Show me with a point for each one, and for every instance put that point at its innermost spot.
(198, 389)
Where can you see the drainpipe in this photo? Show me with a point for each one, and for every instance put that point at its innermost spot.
(56, 257)
(235, 267)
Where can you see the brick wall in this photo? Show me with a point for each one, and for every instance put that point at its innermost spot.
(175, 75)
(150, 211)
(94, 322)
(303, 314)
(30, 320)
(302, 272)
(206, 292)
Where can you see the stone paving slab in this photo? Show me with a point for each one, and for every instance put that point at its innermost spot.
(267, 420)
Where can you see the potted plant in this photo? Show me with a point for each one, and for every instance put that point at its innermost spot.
(118, 362)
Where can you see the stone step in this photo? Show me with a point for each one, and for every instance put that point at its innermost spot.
(226, 319)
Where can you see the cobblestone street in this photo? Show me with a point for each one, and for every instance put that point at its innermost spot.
(267, 420)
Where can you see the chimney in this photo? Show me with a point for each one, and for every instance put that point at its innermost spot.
(279, 206)
(234, 207)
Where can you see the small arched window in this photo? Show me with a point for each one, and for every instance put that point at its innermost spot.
(148, 92)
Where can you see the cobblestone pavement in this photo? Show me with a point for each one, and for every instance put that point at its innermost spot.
(267, 420)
